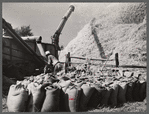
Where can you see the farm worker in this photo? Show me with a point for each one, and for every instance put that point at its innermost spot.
(53, 64)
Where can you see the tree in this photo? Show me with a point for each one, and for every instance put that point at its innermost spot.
(24, 31)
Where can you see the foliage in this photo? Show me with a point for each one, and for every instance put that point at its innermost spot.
(24, 31)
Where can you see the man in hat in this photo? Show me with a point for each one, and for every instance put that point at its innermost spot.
(53, 64)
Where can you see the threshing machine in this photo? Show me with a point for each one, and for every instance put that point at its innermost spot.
(22, 56)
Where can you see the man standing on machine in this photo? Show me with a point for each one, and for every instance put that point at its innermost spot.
(53, 64)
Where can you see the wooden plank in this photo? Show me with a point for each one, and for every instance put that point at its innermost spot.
(17, 54)
(6, 41)
(93, 59)
(26, 57)
(6, 50)
(132, 66)
(114, 66)
(6, 56)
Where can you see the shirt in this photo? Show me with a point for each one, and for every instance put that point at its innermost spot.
(52, 59)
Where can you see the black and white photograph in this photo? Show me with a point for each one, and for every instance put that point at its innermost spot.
(74, 57)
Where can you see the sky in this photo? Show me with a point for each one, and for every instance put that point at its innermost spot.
(44, 18)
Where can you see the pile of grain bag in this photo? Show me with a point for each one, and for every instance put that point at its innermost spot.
(75, 91)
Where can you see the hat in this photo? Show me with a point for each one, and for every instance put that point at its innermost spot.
(47, 52)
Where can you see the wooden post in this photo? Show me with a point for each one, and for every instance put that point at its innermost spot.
(66, 63)
(69, 59)
(116, 60)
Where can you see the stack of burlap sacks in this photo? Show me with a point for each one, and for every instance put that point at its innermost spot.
(74, 92)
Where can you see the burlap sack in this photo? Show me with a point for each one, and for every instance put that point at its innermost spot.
(136, 90)
(129, 97)
(72, 99)
(17, 98)
(85, 96)
(121, 97)
(37, 96)
(96, 97)
(143, 90)
(51, 102)
(113, 96)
